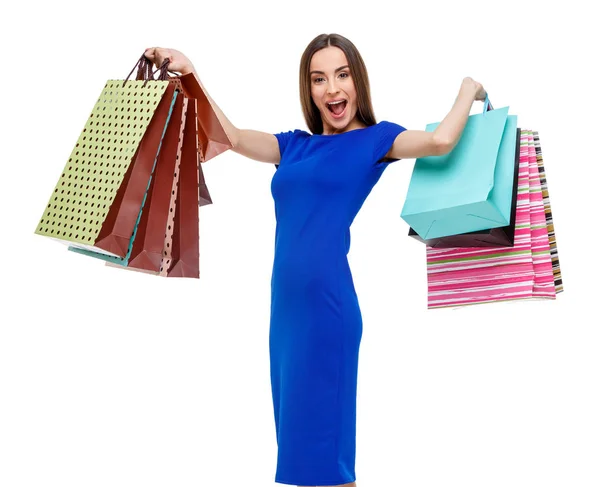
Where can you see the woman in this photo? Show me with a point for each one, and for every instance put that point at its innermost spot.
(321, 182)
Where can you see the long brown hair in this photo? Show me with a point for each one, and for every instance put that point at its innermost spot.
(358, 71)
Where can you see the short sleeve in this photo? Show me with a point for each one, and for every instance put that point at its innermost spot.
(284, 138)
(386, 133)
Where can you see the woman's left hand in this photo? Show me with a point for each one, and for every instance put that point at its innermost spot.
(480, 93)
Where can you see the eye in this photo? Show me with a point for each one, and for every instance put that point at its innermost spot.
(342, 74)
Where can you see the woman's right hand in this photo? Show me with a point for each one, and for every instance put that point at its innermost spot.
(177, 60)
(479, 92)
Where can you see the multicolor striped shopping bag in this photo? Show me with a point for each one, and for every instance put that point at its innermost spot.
(474, 275)
(549, 221)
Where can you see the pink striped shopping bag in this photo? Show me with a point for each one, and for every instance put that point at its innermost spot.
(475, 275)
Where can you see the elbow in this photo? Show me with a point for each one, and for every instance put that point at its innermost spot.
(441, 145)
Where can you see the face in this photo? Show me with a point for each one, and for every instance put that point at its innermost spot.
(330, 81)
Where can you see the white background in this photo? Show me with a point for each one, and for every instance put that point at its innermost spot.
(110, 377)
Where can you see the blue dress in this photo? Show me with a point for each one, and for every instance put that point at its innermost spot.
(318, 188)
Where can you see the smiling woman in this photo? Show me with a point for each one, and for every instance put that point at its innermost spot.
(322, 180)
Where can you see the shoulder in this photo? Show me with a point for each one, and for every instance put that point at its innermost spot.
(293, 133)
(384, 130)
(288, 140)
(386, 125)
(284, 138)
(385, 133)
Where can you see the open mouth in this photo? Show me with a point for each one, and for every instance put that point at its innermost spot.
(337, 109)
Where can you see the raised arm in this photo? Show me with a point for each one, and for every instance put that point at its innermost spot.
(419, 143)
(256, 145)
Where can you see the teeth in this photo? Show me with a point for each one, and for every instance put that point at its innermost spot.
(336, 102)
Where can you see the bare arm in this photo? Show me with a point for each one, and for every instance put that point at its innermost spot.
(419, 143)
(450, 129)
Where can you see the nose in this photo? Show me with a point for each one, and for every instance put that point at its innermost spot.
(331, 87)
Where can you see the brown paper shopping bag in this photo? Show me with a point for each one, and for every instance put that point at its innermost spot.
(185, 242)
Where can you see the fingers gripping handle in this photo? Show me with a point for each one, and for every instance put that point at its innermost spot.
(144, 70)
(487, 106)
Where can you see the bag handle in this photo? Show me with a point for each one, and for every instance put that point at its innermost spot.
(145, 72)
(487, 106)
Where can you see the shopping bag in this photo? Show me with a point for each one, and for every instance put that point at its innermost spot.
(204, 197)
(154, 232)
(558, 282)
(212, 138)
(90, 207)
(470, 188)
(492, 237)
(185, 242)
(474, 275)
(543, 283)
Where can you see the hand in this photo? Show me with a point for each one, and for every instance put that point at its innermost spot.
(480, 93)
(177, 61)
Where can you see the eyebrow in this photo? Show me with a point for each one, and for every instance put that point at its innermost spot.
(338, 69)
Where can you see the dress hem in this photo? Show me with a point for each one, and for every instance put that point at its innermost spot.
(312, 482)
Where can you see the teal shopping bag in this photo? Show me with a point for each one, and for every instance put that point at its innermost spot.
(470, 188)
